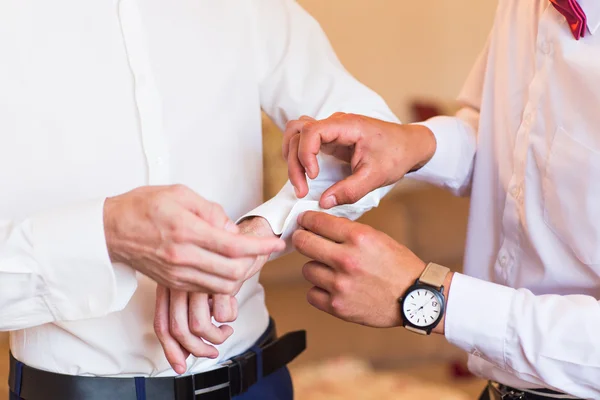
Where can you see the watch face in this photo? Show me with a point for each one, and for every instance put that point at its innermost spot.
(421, 307)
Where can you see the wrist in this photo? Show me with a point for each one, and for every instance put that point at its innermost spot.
(440, 328)
(425, 145)
(257, 226)
(415, 277)
(110, 229)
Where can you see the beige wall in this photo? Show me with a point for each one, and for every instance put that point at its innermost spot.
(405, 49)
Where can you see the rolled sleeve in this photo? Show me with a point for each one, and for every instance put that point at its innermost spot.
(477, 317)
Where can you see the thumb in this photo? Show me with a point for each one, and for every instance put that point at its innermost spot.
(349, 190)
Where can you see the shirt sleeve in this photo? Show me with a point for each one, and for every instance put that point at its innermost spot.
(299, 74)
(55, 266)
(548, 340)
(451, 166)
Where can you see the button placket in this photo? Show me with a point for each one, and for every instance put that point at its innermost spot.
(147, 96)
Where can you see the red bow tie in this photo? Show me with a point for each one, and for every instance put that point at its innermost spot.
(574, 15)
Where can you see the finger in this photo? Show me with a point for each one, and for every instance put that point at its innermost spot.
(332, 130)
(334, 228)
(208, 262)
(179, 326)
(317, 248)
(319, 275)
(231, 244)
(292, 129)
(296, 172)
(174, 353)
(200, 320)
(320, 299)
(351, 189)
(224, 308)
(212, 213)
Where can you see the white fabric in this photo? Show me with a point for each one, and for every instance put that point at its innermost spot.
(100, 97)
(533, 170)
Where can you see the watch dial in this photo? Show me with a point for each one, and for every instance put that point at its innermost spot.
(421, 307)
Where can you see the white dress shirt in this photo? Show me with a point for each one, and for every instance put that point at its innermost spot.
(100, 97)
(527, 147)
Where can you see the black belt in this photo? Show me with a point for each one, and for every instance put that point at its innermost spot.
(233, 378)
(497, 391)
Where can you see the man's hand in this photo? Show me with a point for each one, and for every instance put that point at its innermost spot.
(182, 320)
(380, 153)
(358, 272)
(181, 240)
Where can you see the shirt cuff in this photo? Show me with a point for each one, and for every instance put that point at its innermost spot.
(70, 248)
(477, 317)
(282, 211)
(444, 168)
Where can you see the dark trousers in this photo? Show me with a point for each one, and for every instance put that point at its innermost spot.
(277, 386)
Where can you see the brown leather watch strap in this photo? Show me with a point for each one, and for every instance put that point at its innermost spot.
(434, 275)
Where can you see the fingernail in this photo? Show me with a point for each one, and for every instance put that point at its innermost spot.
(299, 219)
(330, 202)
(231, 227)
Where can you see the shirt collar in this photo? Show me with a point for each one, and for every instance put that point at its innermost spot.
(591, 8)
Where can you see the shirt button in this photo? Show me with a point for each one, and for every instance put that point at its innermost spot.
(546, 48)
(515, 192)
(503, 261)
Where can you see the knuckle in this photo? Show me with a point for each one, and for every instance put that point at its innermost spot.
(178, 190)
(176, 330)
(338, 305)
(291, 125)
(340, 285)
(178, 233)
(197, 327)
(348, 262)
(173, 255)
(359, 236)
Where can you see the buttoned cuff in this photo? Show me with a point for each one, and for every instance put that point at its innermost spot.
(70, 247)
(477, 317)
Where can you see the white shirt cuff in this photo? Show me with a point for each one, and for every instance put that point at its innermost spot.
(453, 157)
(282, 211)
(477, 317)
(70, 248)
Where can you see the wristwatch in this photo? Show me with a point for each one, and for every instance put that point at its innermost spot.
(423, 304)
